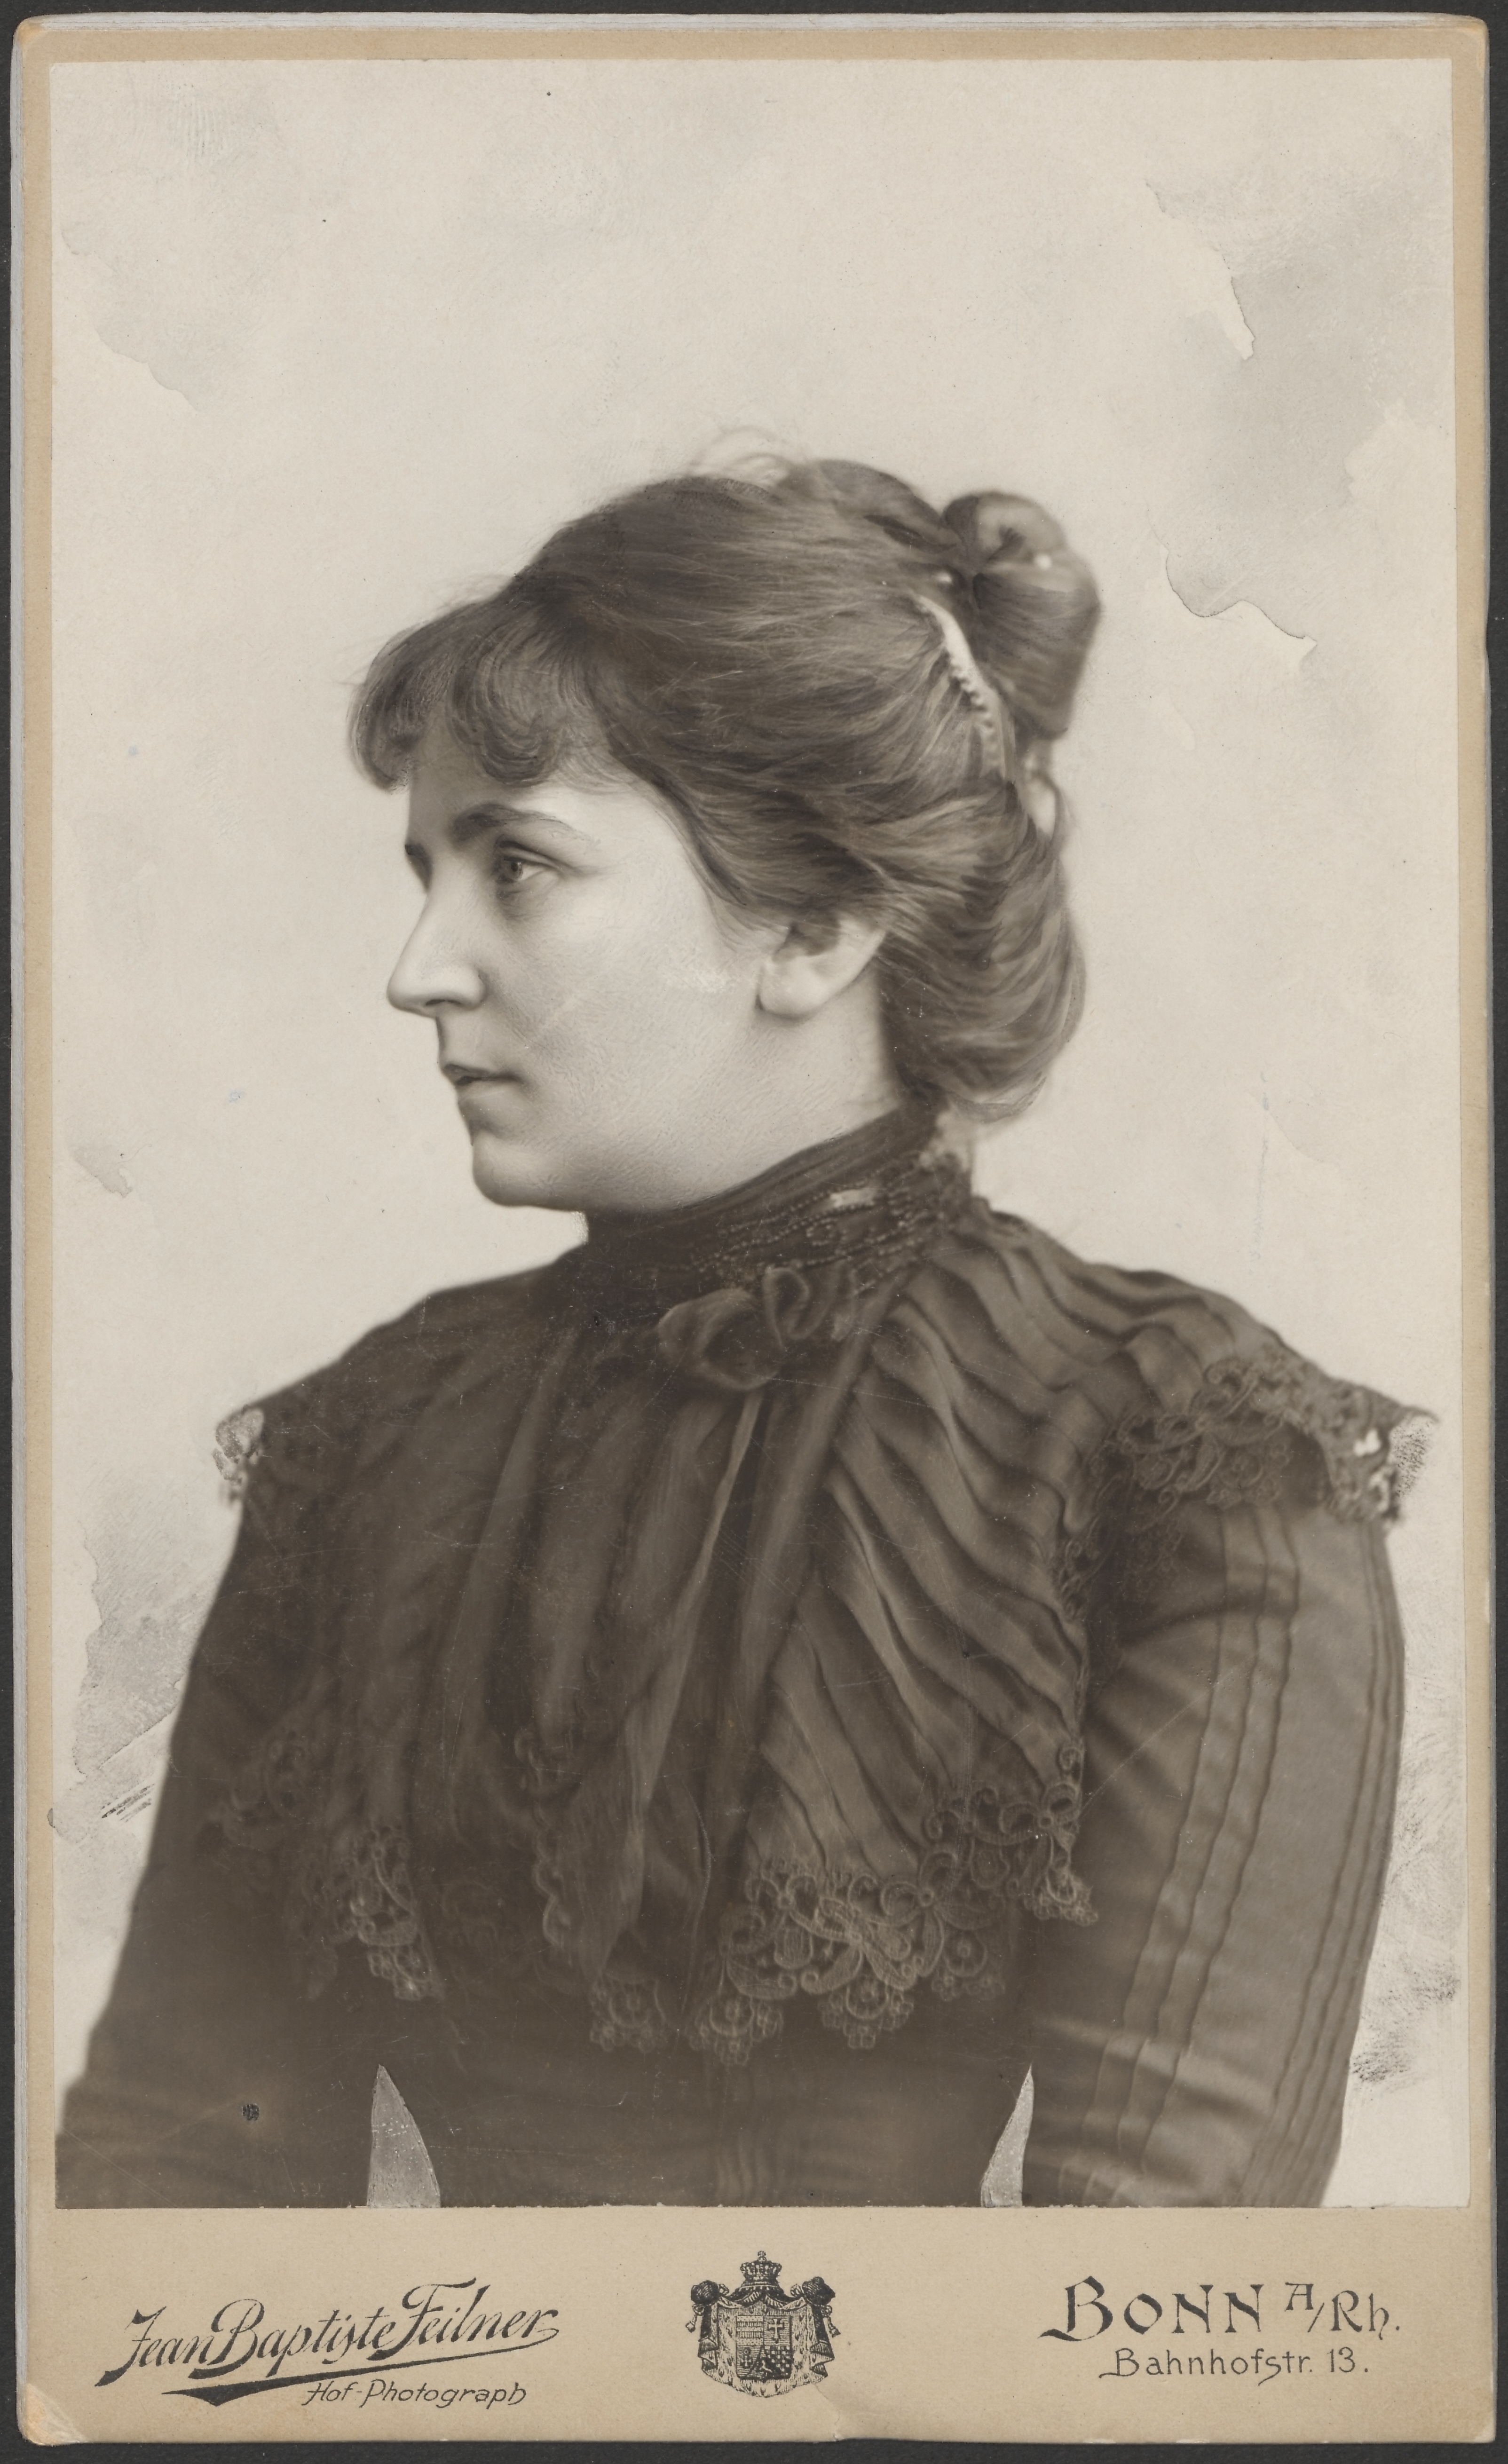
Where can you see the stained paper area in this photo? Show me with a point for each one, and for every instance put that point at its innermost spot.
(336, 342)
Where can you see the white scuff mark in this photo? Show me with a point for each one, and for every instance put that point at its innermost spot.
(85, 248)
(43, 2423)
(1204, 278)
(104, 1164)
(1002, 2181)
(400, 2173)
(140, 359)
(120, 1791)
(1265, 636)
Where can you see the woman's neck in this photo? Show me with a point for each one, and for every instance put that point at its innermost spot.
(862, 1201)
(803, 1087)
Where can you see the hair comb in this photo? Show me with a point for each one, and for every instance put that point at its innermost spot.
(965, 671)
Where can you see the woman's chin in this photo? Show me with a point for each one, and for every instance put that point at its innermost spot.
(510, 1174)
(514, 1172)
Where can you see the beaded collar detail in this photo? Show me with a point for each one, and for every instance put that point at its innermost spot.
(733, 1287)
(867, 1202)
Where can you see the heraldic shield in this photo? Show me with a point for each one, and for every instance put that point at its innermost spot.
(761, 2338)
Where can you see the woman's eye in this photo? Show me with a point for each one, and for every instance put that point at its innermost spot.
(510, 870)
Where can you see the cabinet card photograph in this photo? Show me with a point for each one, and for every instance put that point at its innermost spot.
(754, 1159)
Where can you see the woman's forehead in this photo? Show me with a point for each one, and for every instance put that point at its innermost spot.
(450, 796)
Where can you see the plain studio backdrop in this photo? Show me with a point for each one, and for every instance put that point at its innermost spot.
(336, 342)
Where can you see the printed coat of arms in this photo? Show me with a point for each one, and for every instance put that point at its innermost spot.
(761, 2338)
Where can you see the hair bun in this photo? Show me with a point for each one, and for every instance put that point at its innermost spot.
(1035, 604)
(1011, 528)
(1028, 605)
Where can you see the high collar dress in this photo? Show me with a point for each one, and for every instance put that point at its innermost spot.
(707, 1715)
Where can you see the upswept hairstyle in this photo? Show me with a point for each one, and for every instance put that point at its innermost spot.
(763, 653)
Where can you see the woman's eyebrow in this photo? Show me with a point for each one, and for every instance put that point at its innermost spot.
(465, 828)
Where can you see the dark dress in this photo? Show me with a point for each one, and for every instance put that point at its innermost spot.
(706, 1715)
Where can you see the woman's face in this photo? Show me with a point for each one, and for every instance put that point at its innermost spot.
(598, 1015)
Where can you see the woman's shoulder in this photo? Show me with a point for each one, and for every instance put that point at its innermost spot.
(1091, 1317)
(444, 1327)
(1179, 1377)
(307, 1431)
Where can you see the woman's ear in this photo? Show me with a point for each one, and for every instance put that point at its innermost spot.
(805, 971)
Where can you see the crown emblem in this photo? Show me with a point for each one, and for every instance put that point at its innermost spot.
(762, 2340)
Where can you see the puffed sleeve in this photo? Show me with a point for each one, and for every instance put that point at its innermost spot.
(210, 2080)
(1191, 2045)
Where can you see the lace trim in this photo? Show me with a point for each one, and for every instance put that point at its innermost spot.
(274, 1789)
(1250, 1425)
(238, 1447)
(299, 1441)
(356, 1888)
(368, 1896)
(1234, 1441)
(859, 1946)
(628, 2011)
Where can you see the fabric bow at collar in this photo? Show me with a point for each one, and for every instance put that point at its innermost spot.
(735, 1340)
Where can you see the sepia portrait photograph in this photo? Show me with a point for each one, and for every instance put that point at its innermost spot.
(755, 1159)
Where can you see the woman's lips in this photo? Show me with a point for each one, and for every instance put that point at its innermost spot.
(476, 1091)
(462, 1076)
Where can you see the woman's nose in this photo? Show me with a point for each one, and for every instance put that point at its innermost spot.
(433, 970)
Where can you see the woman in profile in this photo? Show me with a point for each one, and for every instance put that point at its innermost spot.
(708, 1714)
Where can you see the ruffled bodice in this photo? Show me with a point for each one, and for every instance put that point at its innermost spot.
(703, 1627)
